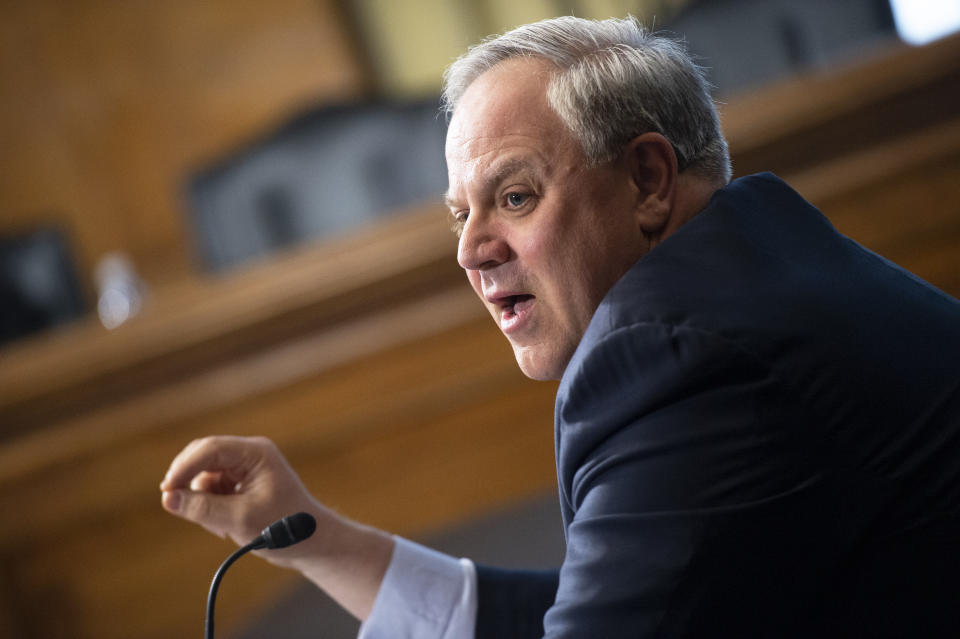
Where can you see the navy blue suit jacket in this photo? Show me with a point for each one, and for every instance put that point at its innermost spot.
(758, 436)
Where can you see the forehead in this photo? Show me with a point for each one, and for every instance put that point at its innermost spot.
(504, 117)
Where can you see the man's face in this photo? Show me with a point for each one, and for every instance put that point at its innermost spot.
(543, 238)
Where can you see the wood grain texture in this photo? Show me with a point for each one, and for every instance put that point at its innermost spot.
(108, 105)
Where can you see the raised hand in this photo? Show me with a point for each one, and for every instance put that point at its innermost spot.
(235, 486)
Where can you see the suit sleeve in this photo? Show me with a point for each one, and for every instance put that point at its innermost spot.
(511, 603)
(693, 495)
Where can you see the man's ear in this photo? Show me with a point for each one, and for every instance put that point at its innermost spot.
(653, 167)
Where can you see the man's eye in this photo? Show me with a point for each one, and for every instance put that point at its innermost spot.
(517, 199)
(459, 221)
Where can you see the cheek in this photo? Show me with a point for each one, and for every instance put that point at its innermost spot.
(540, 253)
(474, 278)
(565, 262)
(580, 269)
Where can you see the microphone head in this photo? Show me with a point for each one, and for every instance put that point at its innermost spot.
(288, 531)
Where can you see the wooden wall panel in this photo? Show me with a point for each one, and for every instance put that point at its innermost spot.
(807, 121)
(107, 105)
(410, 439)
(911, 219)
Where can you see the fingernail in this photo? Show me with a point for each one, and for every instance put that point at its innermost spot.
(172, 500)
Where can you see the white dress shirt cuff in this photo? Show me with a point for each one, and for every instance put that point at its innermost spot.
(424, 595)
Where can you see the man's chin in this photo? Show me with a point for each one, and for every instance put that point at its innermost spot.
(537, 366)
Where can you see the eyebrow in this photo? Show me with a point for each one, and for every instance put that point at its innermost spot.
(497, 173)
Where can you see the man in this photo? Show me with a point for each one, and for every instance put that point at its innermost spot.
(757, 418)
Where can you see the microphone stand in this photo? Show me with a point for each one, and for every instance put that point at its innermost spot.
(215, 585)
(282, 533)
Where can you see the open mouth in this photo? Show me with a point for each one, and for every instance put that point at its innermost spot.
(514, 305)
(508, 303)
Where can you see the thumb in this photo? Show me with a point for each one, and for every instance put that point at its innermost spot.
(211, 511)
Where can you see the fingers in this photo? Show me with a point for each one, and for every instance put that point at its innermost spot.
(218, 483)
(233, 486)
(210, 511)
(231, 458)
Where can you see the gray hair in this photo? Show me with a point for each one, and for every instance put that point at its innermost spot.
(614, 81)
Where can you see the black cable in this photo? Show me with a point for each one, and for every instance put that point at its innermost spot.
(215, 585)
(282, 533)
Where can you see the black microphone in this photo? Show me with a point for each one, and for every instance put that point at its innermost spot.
(280, 534)
(287, 531)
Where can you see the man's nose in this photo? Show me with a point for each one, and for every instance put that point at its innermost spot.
(482, 245)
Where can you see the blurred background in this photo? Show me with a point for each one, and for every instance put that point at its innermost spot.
(223, 216)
